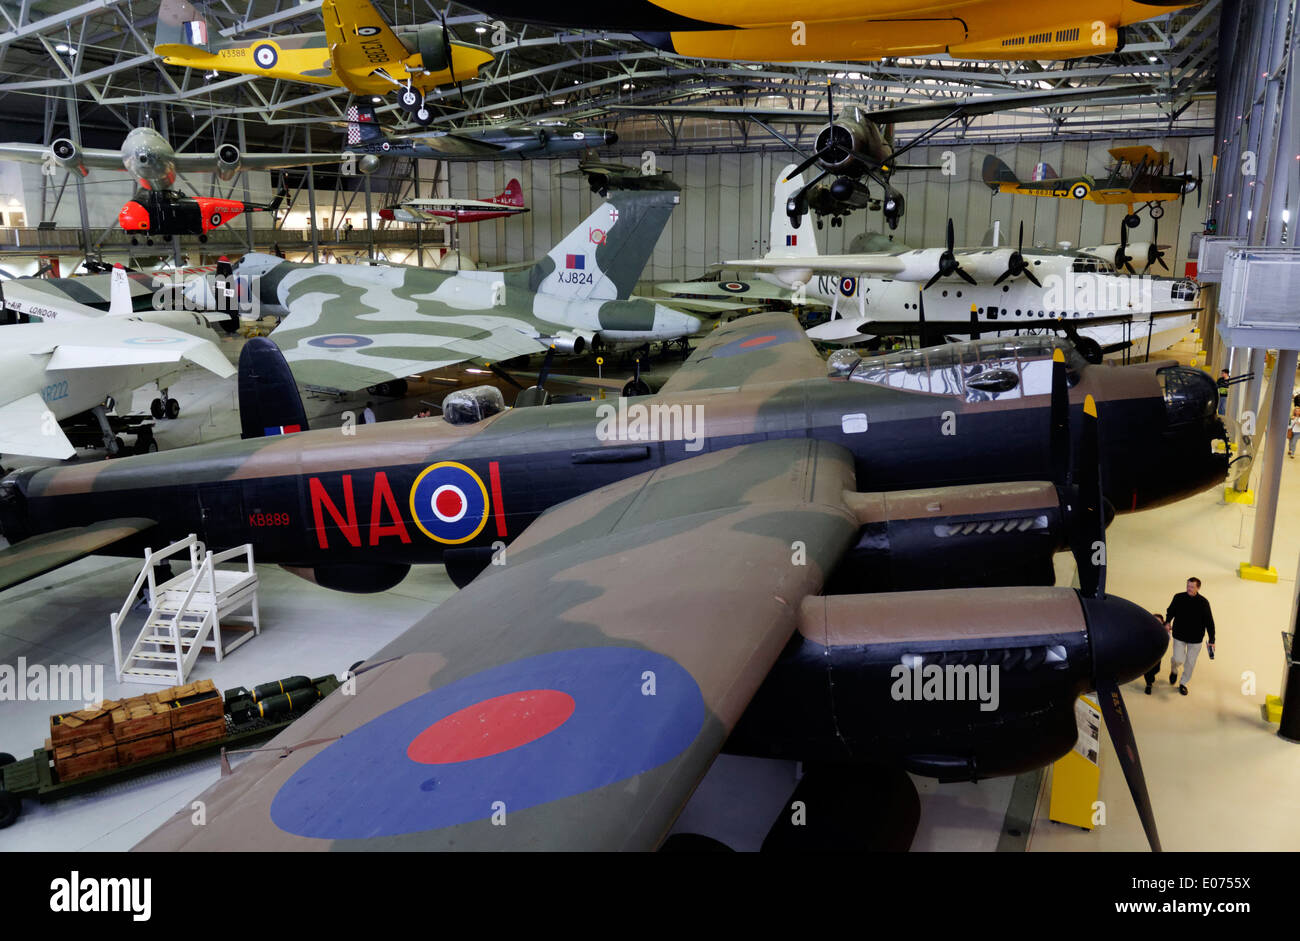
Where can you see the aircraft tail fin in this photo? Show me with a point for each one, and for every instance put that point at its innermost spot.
(363, 125)
(119, 294)
(512, 195)
(602, 259)
(786, 238)
(269, 403)
(1044, 171)
(996, 172)
(181, 24)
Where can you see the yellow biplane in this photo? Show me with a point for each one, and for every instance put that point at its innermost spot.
(358, 51)
(1140, 177)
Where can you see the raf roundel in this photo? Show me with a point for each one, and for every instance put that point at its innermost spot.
(266, 56)
(340, 341)
(541, 729)
(449, 503)
(734, 287)
(848, 286)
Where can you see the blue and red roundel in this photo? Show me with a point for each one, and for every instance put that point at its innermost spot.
(340, 341)
(760, 342)
(522, 734)
(449, 503)
(848, 286)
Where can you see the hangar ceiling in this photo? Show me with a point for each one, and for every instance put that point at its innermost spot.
(100, 51)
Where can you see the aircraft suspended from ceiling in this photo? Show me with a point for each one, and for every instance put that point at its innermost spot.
(857, 145)
(856, 31)
(358, 51)
(1140, 176)
(158, 207)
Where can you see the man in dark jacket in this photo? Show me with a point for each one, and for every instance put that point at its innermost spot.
(1190, 619)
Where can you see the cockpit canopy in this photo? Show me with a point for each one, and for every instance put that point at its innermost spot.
(980, 370)
(466, 406)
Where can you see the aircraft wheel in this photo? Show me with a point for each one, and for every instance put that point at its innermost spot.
(203, 237)
(423, 116)
(1132, 220)
(1157, 212)
(173, 408)
(11, 807)
(146, 445)
(410, 99)
(635, 387)
(156, 408)
(134, 240)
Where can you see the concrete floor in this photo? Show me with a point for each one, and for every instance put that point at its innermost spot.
(1217, 773)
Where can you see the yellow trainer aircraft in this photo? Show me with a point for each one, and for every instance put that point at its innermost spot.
(358, 51)
(1140, 177)
(852, 30)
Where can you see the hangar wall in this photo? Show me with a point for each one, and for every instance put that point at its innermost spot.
(727, 200)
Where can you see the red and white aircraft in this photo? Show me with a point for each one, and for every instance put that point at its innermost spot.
(510, 202)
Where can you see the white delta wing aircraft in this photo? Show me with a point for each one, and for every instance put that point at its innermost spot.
(79, 357)
(934, 293)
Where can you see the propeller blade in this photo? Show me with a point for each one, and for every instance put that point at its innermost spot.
(1030, 275)
(961, 273)
(1117, 722)
(1059, 439)
(810, 161)
(935, 277)
(1088, 523)
(1020, 247)
(1004, 275)
(545, 372)
(951, 240)
(1198, 182)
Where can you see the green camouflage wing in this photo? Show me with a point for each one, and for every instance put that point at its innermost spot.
(570, 698)
(345, 335)
(48, 551)
(753, 350)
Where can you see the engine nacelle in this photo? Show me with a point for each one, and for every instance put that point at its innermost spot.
(567, 343)
(431, 44)
(852, 193)
(228, 160)
(848, 139)
(68, 155)
(354, 577)
(368, 164)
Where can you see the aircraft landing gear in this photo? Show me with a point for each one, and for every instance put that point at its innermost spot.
(1157, 211)
(423, 116)
(164, 407)
(411, 99)
(1132, 220)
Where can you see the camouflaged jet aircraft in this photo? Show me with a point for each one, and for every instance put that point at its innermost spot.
(700, 526)
(351, 326)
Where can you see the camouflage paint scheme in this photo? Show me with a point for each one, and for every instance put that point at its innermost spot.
(351, 326)
(663, 561)
(542, 456)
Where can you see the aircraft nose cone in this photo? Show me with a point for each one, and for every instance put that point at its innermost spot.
(610, 138)
(1126, 639)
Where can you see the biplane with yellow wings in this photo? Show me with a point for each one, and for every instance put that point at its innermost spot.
(1140, 177)
(358, 51)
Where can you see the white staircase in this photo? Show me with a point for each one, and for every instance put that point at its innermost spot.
(186, 613)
